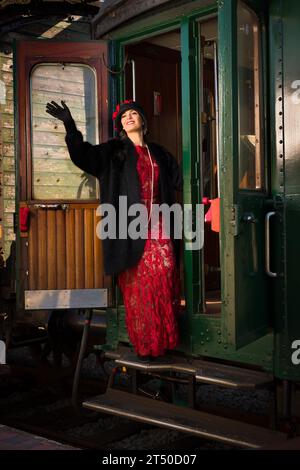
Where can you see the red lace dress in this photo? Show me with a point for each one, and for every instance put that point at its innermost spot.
(151, 289)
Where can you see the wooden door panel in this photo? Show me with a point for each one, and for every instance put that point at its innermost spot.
(79, 253)
(88, 248)
(60, 250)
(52, 263)
(98, 254)
(157, 69)
(41, 249)
(63, 250)
(70, 249)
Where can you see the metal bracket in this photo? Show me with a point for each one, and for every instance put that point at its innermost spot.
(234, 220)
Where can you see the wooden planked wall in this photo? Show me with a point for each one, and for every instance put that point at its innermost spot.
(64, 30)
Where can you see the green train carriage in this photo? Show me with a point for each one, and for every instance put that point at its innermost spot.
(219, 83)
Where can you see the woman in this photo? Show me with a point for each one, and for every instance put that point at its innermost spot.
(146, 268)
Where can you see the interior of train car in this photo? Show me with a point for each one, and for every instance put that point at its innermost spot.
(160, 94)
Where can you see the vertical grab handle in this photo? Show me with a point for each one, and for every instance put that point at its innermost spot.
(133, 78)
(267, 244)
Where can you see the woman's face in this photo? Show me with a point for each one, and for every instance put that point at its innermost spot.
(131, 121)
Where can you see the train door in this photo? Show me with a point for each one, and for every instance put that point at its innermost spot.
(243, 175)
(58, 247)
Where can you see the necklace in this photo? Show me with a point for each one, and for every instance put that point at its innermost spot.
(152, 183)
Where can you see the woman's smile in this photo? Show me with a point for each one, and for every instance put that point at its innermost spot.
(131, 120)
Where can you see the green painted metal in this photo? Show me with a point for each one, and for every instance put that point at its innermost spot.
(245, 309)
(219, 337)
(202, 334)
(190, 100)
(285, 80)
(208, 340)
(162, 20)
(241, 322)
(190, 155)
(227, 131)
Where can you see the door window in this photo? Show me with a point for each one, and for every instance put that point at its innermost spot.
(251, 147)
(54, 176)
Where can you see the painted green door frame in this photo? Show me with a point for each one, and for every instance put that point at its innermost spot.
(244, 281)
(191, 145)
(191, 156)
(205, 334)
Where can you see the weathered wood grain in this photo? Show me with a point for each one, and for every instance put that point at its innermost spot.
(79, 248)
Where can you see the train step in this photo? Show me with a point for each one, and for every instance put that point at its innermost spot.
(186, 420)
(204, 371)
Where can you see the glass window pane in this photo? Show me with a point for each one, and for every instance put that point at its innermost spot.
(251, 148)
(54, 176)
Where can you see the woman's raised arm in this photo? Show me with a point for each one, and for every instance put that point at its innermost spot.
(90, 158)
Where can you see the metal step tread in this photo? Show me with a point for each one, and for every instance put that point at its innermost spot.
(204, 371)
(231, 376)
(194, 422)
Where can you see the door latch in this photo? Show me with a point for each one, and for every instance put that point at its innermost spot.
(250, 218)
(51, 206)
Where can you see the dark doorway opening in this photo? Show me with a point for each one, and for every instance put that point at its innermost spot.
(153, 78)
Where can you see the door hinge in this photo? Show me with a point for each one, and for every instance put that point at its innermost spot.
(234, 219)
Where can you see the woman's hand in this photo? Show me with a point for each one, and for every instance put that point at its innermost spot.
(59, 112)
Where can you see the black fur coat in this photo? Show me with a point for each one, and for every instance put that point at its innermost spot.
(114, 164)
